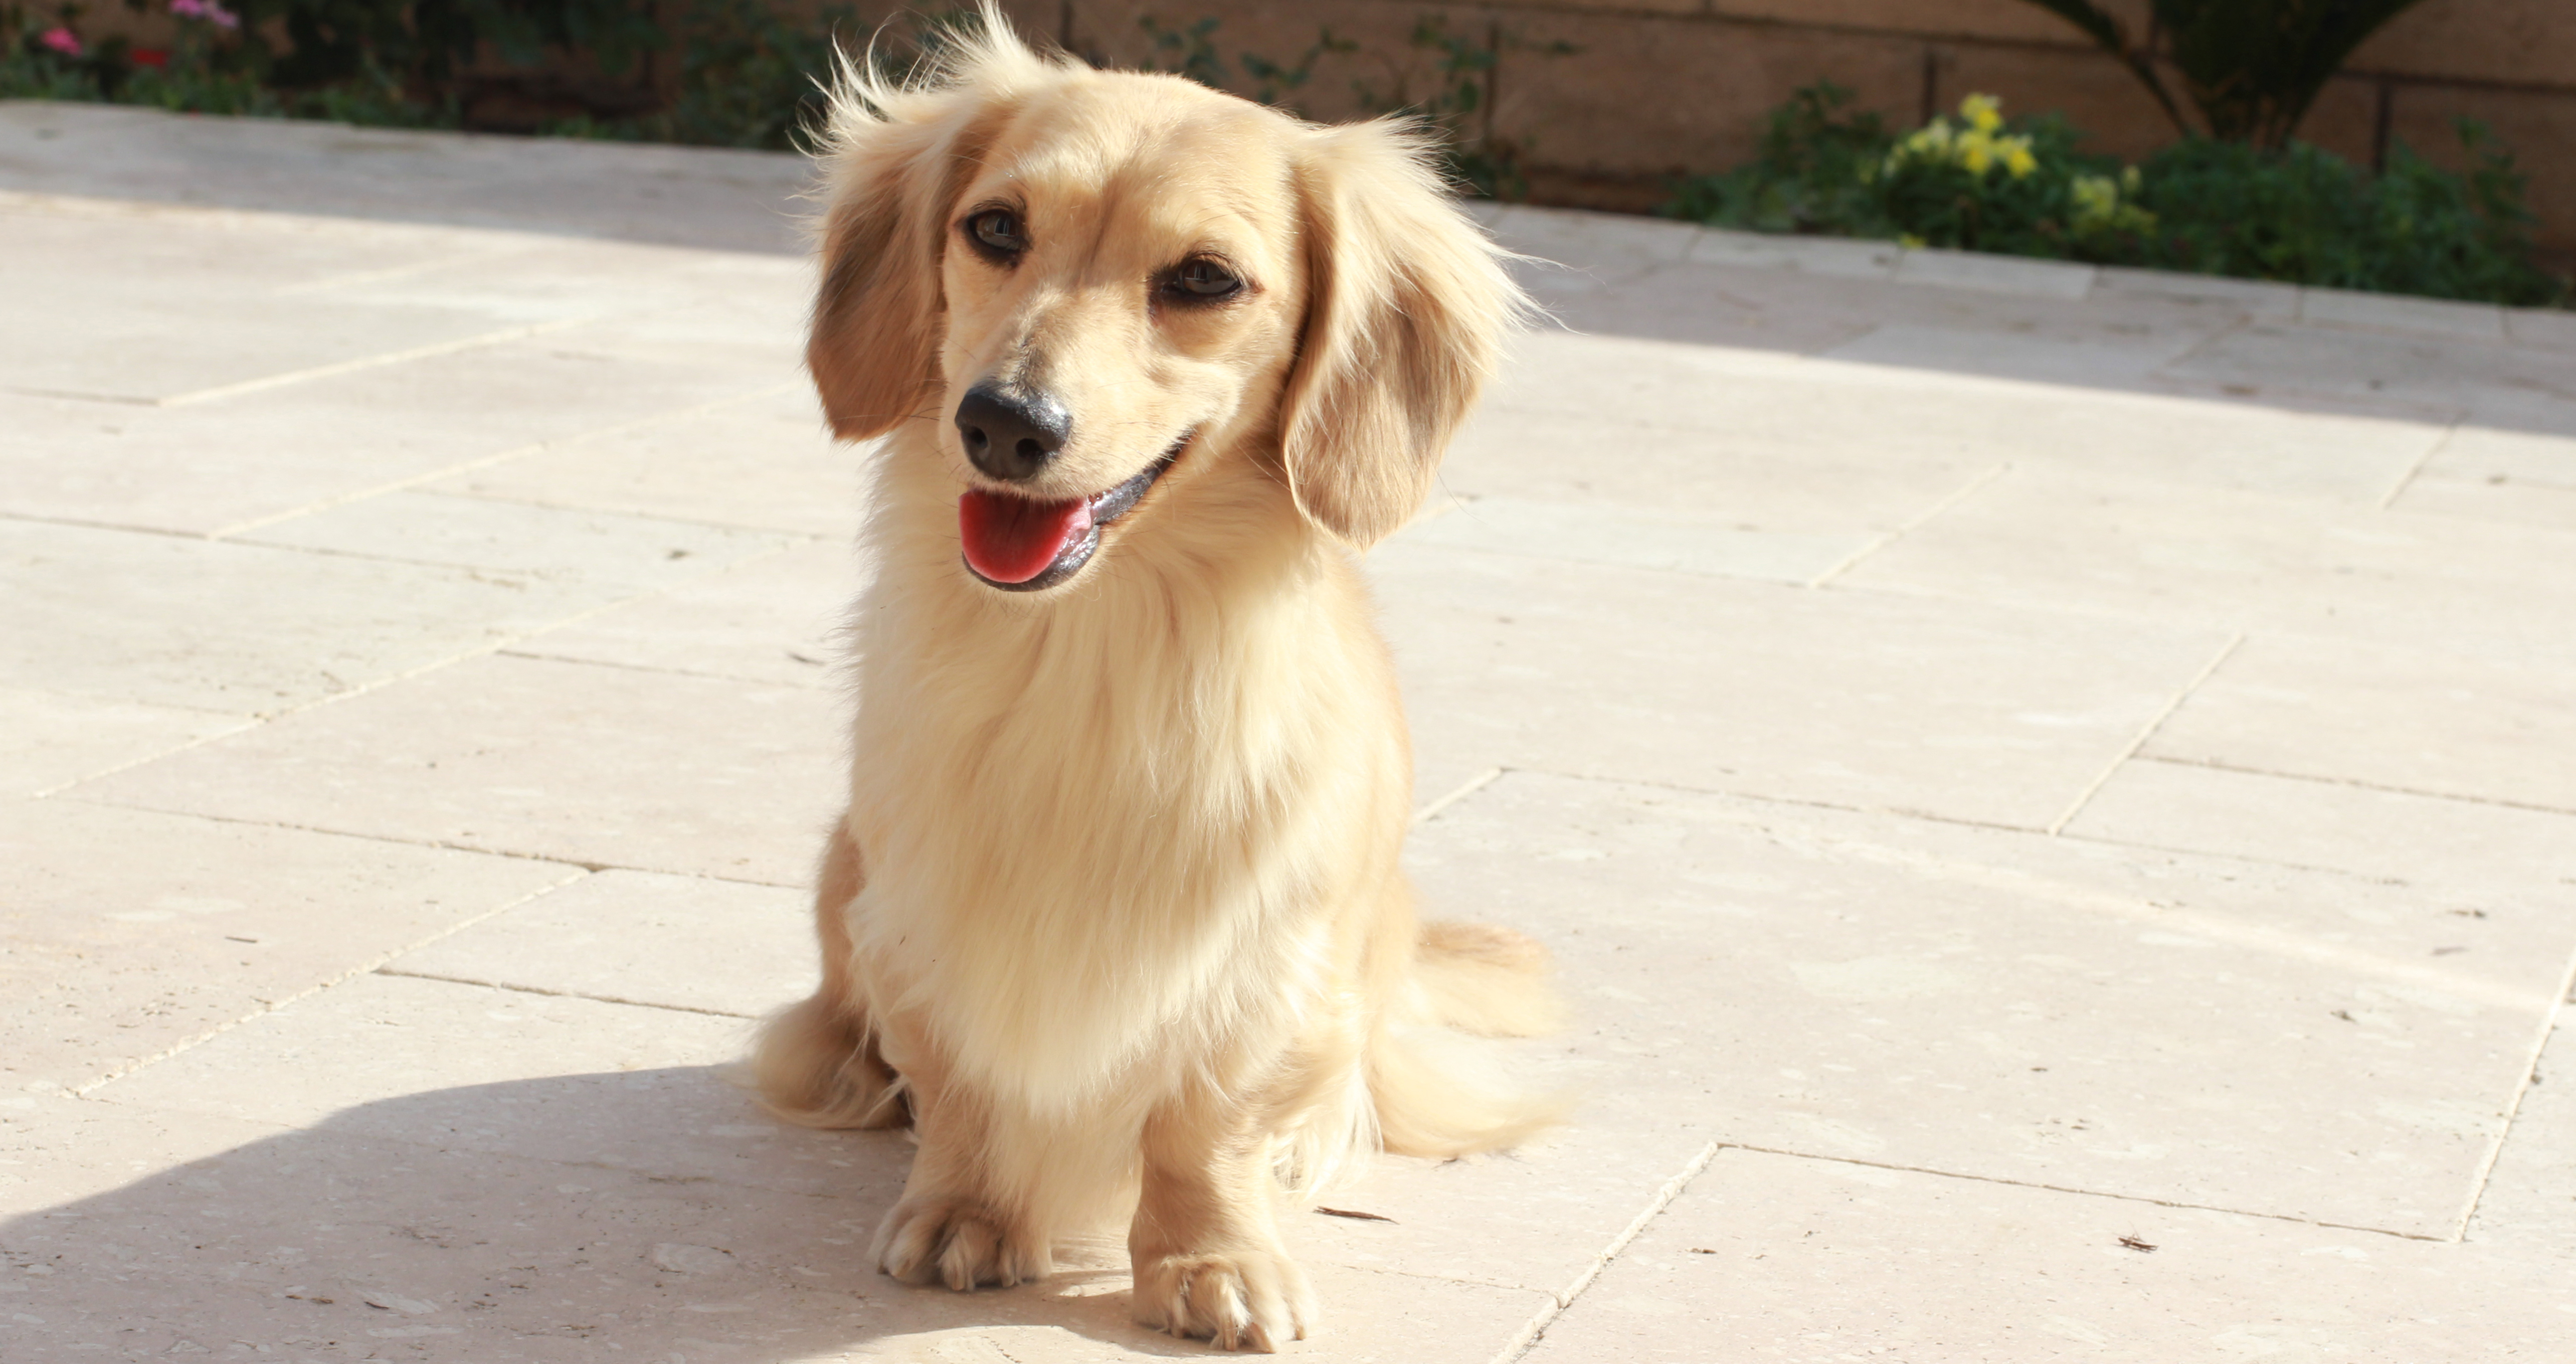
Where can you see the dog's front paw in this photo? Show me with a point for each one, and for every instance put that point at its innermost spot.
(958, 1243)
(1242, 1300)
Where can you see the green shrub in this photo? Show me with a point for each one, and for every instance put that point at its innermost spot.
(2300, 214)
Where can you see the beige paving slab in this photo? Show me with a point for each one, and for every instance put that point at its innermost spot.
(1860, 699)
(1770, 1257)
(762, 462)
(2409, 719)
(1911, 993)
(2397, 312)
(2537, 504)
(1578, 251)
(2477, 375)
(2083, 541)
(602, 766)
(328, 1241)
(56, 1150)
(518, 540)
(1807, 473)
(1825, 445)
(274, 451)
(1635, 537)
(124, 933)
(2245, 298)
(2545, 328)
(2109, 361)
(699, 196)
(2501, 457)
(1851, 257)
(2401, 837)
(2529, 1202)
(468, 1115)
(166, 621)
(1999, 274)
(776, 618)
(678, 942)
(48, 739)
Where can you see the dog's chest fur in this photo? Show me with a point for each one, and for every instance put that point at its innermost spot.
(1117, 829)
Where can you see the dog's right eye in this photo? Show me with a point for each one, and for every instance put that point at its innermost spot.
(998, 231)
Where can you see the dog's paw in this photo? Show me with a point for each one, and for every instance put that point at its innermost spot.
(1241, 1300)
(957, 1243)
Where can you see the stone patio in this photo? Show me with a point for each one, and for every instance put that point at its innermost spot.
(2054, 793)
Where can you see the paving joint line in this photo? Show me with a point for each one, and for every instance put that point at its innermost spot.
(2513, 1109)
(2086, 1193)
(498, 456)
(2216, 765)
(1559, 1304)
(2112, 769)
(84, 1089)
(824, 670)
(390, 970)
(2431, 452)
(488, 649)
(367, 362)
(439, 844)
(1910, 524)
(1473, 785)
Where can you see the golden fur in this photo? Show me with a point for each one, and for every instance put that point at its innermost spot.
(1115, 917)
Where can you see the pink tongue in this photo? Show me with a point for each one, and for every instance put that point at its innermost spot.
(1012, 539)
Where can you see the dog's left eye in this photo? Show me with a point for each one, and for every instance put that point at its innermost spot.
(999, 230)
(1204, 279)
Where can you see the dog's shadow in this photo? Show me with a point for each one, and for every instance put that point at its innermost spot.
(656, 1212)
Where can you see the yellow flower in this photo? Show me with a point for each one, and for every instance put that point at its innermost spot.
(2017, 157)
(1909, 241)
(1976, 152)
(1983, 112)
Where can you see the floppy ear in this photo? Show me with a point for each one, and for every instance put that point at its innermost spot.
(1405, 308)
(894, 161)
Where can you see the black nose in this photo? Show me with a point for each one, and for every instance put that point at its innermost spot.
(1011, 435)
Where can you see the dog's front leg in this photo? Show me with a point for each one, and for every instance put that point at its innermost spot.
(1205, 1243)
(951, 1226)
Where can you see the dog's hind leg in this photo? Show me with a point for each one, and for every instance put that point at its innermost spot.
(817, 1063)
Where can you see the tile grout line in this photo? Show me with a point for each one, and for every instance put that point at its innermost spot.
(1558, 1304)
(2513, 1110)
(388, 969)
(1910, 525)
(488, 649)
(2111, 769)
(1991, 876)
(485, 461)
(2356, 783)
(2081, 1193)
(1473, 785)
(441, 845)
(366, 362)
(2431, 452)
(84, 1089)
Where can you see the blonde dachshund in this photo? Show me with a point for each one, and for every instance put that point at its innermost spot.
(1114, 917)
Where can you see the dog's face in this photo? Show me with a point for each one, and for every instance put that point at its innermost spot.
(1094, 289)
(1123, 292)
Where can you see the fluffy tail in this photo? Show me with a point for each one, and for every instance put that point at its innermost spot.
(817, 1066)
(1439, 1094)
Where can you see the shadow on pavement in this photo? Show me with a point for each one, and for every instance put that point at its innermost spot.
(465, 1224)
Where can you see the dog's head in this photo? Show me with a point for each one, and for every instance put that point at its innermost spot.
(1094, 288)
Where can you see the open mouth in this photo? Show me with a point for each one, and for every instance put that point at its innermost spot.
(1021, 545)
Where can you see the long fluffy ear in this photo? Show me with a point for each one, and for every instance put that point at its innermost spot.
(895, 156)
(1406, 305)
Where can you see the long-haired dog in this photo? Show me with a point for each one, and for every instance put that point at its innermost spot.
(1114, 917)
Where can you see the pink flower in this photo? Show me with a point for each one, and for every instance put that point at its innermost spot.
(194, 9)
(61, 40)
(221, 17)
